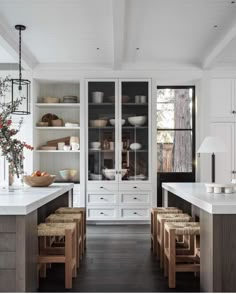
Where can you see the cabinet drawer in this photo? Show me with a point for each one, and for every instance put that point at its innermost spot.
(135, 187)
(135, 213)
(102, 198)
(134, 198)
(101, 213)
(102, 187)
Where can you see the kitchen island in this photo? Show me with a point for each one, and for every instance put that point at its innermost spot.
(20, 213)
(217, 214)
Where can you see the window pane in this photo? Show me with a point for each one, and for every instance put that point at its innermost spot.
(174, 108)
(174, 151)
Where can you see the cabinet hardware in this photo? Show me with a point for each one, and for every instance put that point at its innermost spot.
(135, 187)
(233, 172)
(117, 172)
(101, 213)
(101, 198)
(135, 212)
(101, 187)
(135, 198)
(233, 111)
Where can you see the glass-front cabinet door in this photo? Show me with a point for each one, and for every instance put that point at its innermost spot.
(102, 135)
(134, 131)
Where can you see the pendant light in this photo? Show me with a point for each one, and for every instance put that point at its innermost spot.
(21, 87)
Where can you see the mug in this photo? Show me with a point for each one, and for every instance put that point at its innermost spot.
(143, 99)
(60, 145)
(75, 146)
(74, 139)
(67, 147)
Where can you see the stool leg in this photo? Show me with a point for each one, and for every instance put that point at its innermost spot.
(166, 245)
(172, 260)
(84, 229)
(43, 266)
(161, 232)
(75, 254)
(68, 259)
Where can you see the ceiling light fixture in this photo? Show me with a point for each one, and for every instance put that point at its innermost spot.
(137, 48)
(21, 87)
(215, 26)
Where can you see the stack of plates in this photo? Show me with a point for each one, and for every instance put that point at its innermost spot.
(71, 124)
(70, 99)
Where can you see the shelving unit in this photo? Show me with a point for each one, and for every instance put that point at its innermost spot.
(53, 161)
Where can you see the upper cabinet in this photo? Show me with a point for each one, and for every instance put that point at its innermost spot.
(223, 100)
(118, 130)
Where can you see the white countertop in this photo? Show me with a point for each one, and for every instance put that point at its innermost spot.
(196, 194)
(28, 199)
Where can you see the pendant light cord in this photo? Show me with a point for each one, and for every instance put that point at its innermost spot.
(20, 76)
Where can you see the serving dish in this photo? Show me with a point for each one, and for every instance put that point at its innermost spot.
(98, 123)
(68, 174)
(71, 124)
(46, 147)
(137, 120)
(95, 145)
(70, 99)
(42, 124)
(112, 121)
(50, 100)
(96, 177)
(57, 122)
(111, 173)
(135, 146)
(39, 181)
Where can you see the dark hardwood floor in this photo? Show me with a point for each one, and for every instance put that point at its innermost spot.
(118, 259)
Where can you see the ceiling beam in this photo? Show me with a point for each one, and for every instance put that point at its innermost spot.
(118, 17)
(220, 46)
(9, 41)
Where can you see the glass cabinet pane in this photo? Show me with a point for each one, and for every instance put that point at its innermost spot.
(134, 131)
(101, 131)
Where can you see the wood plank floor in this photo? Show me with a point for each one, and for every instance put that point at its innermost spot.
(118, 259)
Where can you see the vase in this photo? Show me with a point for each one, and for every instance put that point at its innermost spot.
(15, 182)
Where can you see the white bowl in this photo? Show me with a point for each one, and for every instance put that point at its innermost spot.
(68, 174)
(98, 123)
(109, 173)
(97, 97)
(135, 146)
(95, 145)
(96, 177)
(137, 120)
(113, 121)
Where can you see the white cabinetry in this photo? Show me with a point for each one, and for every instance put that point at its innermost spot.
(119, 177)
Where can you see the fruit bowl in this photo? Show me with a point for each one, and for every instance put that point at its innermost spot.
(68, 174)
(39, 181)
(137, 120)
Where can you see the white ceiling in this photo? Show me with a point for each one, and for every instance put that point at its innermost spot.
(167, 32)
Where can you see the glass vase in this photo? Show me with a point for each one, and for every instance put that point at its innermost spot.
(15, 182)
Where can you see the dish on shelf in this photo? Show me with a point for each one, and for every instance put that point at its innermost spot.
(42, 124)
(111, 99)
(46, 147)
(70, 99)
(71, 124)
(95, 145)
(50, 100)
(97, 97)
(137, 120)
(57, 122)
(39, 181)
(48, 117)
(113, 121)
(135, 146)
(68, 174)
(98, 123)
(137, 178)
(111, 173)
(95, 177)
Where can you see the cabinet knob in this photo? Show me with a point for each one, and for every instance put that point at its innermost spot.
(233, 111)
(101, 187)
(101, 198)
(101, 212)
(135, 198)
(135, 187)
(135, 212)
(233, 171)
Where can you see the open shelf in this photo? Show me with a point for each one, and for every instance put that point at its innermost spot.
(57, 128)
(72, 105)
(57, 151)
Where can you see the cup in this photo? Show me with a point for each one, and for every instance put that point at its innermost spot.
(74, 139)
(112, 145)
(60, 145)
(75, 146)
(143, 99)
(67, 147)
(137, 99)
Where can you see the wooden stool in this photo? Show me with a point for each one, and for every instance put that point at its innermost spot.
(154, 212)
(179, 263)
(161, 220)
(65, 254)
(76, 210)
(70, 218)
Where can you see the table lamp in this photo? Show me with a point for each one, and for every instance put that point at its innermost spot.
(212, 145)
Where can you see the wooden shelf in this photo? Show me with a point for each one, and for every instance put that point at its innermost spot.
(57, 151)
(70, 105)
(57, 128)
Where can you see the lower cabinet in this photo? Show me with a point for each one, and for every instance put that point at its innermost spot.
(125, 205)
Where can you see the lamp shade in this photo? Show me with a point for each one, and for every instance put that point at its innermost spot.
(212, 145)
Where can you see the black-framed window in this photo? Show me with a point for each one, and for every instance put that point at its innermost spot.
(175, 125)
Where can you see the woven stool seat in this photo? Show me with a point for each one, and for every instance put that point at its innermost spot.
(64, 218)
(166, 210)
(178, 217)
(69, 210)
(55, 229)
(185, 228)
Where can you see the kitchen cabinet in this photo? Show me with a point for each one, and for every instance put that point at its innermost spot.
(119, 163)
(223, 100)
(225, 162)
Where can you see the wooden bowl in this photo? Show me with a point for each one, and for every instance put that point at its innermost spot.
(57, 122)
(50, 100)
(42, 181)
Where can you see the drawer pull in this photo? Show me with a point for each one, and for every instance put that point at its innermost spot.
(101, 198)
(101, 187)
(135, 198)
(101, 212)
(135, 187)
(233, 111)
(135, 212)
